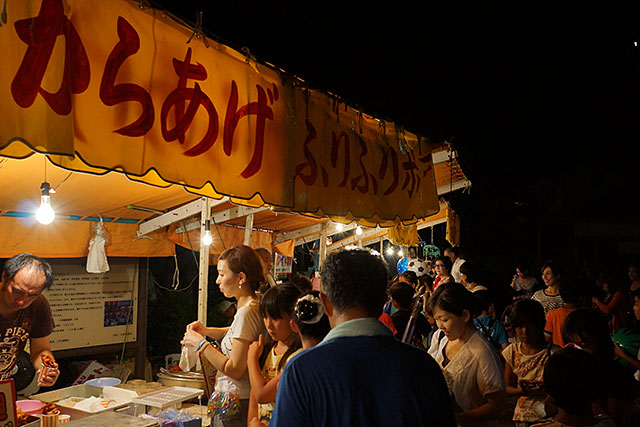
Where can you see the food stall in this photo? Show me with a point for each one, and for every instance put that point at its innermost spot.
(161, 135)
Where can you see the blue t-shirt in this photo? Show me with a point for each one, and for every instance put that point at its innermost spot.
(365, 380)
(492, 329)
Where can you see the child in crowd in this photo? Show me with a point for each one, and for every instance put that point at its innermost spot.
(469, 362)
(310, 320)
(571, 294)
(276, 307)
(486, 322)
(525, 360)
(572, 379)
(587, 328)
(401, 295)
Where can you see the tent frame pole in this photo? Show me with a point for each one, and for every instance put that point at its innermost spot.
(203, 279)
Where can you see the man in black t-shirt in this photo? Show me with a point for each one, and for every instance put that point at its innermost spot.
(25, 314)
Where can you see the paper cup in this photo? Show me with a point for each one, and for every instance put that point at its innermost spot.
(49, 420)
(63, 418)
(43, 372)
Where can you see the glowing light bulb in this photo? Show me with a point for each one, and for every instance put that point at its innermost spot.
(390, 250)
(207, 238)
(400, 253)
(339, 226)
(45, 213)
(359, 230)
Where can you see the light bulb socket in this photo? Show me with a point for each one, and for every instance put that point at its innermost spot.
(207, 225)
(45, 188)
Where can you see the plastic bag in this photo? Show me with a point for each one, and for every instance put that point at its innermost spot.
(188, 359)
(224, 402)
(97, 258)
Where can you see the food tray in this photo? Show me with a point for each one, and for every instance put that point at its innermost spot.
(82, 391)
(111, 419)
(168, 397)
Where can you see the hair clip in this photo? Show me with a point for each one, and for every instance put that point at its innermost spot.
(309, 309)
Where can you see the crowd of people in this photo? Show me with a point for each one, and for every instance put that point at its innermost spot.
(436, 349)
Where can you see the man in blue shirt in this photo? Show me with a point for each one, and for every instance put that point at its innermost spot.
(360, 374)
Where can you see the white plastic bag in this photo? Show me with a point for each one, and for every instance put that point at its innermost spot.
(188, 359)
(97, 258)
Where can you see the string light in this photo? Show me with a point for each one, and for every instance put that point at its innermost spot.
(359, 231)
(390, 250)
(45, 213)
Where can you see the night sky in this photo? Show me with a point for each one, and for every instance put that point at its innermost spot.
(530, 93)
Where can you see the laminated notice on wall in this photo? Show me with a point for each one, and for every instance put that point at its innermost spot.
(93, 309)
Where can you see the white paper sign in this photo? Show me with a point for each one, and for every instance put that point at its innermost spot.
(93, 309)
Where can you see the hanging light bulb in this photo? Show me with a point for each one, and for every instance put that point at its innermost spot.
(400, 252)
(339, 226)
(390, 250)
(45, 214)
(359, 231)
(207, 238)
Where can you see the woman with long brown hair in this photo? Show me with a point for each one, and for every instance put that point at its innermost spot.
(240, 274)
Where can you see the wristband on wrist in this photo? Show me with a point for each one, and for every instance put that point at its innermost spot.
(200, 344)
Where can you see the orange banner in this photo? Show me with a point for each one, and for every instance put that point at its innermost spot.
(107, 86)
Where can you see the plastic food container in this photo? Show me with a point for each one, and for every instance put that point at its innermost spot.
(31, 407)
(103, 382)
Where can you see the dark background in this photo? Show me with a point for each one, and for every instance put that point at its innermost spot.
(540, 100)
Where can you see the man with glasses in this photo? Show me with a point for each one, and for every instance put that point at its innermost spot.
(25, 314)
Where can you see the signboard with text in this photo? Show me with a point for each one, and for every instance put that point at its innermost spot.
(110, 85)
(93, 309)
(284, 264)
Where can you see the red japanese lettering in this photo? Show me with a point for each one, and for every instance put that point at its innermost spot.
(384, 165)
(428, 161)
(112, 94)
(309, 178)
(185, 71)
(411, 180)
(176, 98)
(335, 146)
(262, 112)
(40, 34)
(364, 175)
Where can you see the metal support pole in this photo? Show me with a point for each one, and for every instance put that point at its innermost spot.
(248, 228)
(203, 282)
(323, 244)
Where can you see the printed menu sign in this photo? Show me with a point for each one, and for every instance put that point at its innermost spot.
(93, 309)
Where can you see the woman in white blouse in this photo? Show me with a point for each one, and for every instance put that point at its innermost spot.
(471, 366)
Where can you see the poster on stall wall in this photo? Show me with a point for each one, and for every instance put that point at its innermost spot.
(284, 264)
(7, 404)
(93, 309)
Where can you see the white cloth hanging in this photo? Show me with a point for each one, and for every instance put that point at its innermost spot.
(97, 258)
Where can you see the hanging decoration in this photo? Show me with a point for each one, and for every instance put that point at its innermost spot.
(403, 264)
